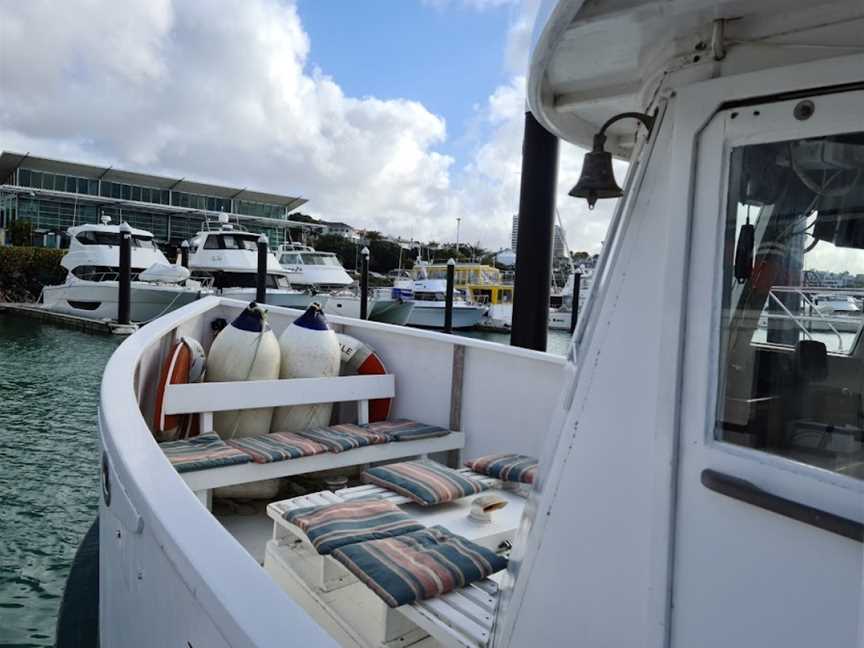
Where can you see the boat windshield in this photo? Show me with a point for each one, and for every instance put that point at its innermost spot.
(92, 237)
(320, 259)
(792, 376)
(231, 242)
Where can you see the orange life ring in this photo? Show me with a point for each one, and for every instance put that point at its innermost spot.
(184, 364)
(358, 358)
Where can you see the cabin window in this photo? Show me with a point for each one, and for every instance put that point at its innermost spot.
(791, 365)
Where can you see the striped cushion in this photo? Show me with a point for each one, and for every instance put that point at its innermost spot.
(278, 446)
(335, 525)
(205, 451)
(425, 482)
(419, 565)
(406, 430)
(506, 467)
(348, 436)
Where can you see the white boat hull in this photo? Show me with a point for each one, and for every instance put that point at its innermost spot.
(389, 311)
(99, 301)
(431, 315)
(277, 297)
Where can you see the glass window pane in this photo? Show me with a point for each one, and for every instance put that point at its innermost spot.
(790, 376)
(25, 177)
(136, 193)
(82, 185)
(127, 192)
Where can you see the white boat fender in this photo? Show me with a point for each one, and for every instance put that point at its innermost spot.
(246, 349)
(184, 364)
(359, 359)
(310, 349)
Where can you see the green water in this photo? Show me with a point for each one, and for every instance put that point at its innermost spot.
(49, 468)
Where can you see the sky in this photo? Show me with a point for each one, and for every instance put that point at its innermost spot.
(394, 115)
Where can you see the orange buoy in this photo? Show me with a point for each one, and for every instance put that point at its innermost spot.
(184, 364)
(360, 359)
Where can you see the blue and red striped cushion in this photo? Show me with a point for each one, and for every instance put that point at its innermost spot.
(406, 430)
(335, 525)
(506, 467)
(425, 482)
(419, 565)
(201, 452)
(347, 436)
(278, 446)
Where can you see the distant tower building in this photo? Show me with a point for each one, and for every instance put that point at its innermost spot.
(559, 246)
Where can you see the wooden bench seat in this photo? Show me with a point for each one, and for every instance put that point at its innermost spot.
(206, 398)
(461, 618)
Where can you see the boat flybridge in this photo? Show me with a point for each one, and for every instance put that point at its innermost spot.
(92, 262)
(699, 482)
(227, 257)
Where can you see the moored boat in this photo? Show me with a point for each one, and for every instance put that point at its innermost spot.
(91, 287)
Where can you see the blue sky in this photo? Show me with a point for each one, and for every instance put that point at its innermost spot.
(449, 57)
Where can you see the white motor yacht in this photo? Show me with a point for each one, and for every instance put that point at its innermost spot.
(311, 269)
(91, 286)
(430, 306)
(560, 316)
(228, 257)
(694, 487)
(323, 272)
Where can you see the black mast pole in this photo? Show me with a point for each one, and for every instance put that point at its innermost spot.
(534, 237)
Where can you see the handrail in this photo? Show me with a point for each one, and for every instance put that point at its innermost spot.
(746, 491)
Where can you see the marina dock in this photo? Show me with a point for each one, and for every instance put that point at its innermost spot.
(37, 312)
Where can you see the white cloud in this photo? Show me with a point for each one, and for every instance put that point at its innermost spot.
(477, 5)
(220, 91)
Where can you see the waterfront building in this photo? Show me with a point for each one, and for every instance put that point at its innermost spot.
(559, 244)
(52, 195)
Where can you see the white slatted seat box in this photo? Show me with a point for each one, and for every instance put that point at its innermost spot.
(461, 618)
(206, 398)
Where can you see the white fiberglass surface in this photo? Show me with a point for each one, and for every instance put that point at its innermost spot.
(772, 407)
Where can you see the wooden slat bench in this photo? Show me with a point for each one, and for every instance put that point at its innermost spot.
(206, 398)
(459, 619)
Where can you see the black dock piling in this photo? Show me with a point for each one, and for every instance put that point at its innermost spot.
(364, 283)
(534, 237)
(184, 254)
(261, 278)
(574, 305)
(448, 298)
(124, 283)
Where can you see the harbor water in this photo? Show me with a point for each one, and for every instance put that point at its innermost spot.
(49, 464)
(49, 468)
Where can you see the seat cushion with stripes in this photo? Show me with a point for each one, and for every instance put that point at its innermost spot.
(347, 436)
(425, 482)
(335, 525)
(278, 446)
(506, 467)
(204, 451)
(406, 430)
(418, 565)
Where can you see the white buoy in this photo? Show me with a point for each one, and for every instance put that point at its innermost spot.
(309, 350)
(246, 349)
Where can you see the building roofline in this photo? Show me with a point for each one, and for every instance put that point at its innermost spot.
(10, 161)
(104, 201)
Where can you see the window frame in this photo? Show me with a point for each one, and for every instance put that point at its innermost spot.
(795, 476)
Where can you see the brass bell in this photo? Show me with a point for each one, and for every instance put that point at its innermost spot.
(597, 179)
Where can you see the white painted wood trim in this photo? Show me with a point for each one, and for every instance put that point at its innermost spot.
(251, 472)
(223, 396)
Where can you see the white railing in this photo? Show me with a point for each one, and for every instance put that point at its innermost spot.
(808, 298)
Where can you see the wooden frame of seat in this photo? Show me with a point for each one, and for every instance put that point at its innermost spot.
(206, 398)
(463, 618)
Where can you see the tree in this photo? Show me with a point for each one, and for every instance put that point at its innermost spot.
(21, 232)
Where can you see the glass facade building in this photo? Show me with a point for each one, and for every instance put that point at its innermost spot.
(53, 195)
